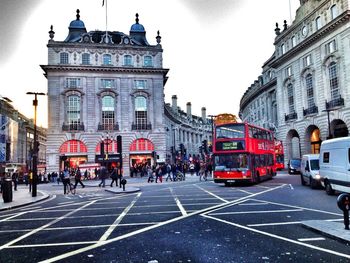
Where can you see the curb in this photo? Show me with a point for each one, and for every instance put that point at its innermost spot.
(44, 197)
(131, 191)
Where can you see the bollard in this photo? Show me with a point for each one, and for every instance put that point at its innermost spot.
(343, 202)
(123, 183)
(7, 190)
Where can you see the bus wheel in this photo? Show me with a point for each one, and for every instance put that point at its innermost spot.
(329, 189)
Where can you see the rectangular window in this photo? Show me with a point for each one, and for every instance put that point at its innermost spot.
(290, 92)
(331, 47)
(85, 60)
(318, 23)
(64, 58)
(72, 82)
(140, 84)
(307, 61)
(288, 72)
(147, 61)
(326, 157)
(107, 83)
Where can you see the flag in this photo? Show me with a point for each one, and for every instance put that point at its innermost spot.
(103, 2)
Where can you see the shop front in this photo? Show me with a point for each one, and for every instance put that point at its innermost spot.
(141, 154)
(73, 153)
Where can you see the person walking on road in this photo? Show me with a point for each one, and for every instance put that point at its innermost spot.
(168, 171)
(78, 179)
(66, 181)
(15, 179)
(103, 176)
(114, 176)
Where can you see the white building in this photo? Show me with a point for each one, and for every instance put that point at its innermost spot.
(102, 85)
(304, 86)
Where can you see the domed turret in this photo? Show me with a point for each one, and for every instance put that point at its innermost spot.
(138, 32)
(76, 29)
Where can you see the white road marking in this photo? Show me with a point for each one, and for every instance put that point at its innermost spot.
(13, 216)
(55, 244)
(66, 203)
(254, 204)
(291, 186)
(216, 196)
(257, 212)
(280, 237)
(311, 239)
(30, 208)
(119, 219)
(304, 208)
(244, 191)
(42, 227)
(275, 224)
(182, 209)
(136, 232)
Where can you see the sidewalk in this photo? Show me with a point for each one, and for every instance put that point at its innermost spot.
(334, 230)
(22, 197)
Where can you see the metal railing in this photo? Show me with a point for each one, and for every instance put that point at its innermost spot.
(73, 127)
(141, 126)
(108, 127)
(310, 111)
(290, 116)
(335, 103)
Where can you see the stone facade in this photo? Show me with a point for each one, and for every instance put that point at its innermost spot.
(308, 79)
(102, 85)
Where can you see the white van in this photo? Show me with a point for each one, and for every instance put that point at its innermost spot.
(309, 170)
(335, 165)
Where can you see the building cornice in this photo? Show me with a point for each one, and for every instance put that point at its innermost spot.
(326, 30)
(256, 92)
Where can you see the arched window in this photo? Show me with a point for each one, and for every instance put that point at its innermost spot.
(108, 114)
(290, 94)
(318, 23)
(73, 146)
(333, 81)
(141, 113)
(147, 61)
(73, 112)
(107, 59)
(127, 60)
(334, 11)
(141, 145)
(64, 58)
(309, 91)
(85, 59)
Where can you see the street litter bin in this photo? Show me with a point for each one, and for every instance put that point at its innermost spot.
(7, 190)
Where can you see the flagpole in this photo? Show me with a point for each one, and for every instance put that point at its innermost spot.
(106, 19)
(290, 13)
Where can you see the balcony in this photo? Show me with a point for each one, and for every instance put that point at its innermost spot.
(335, 104)
(73, 127)
(310, 111)
(290, 116)
(108, 127)
(141, 126)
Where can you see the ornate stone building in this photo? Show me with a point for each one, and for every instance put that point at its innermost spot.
(102, 85)
(303, 92)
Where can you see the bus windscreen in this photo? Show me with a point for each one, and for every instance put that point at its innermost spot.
(230, 131)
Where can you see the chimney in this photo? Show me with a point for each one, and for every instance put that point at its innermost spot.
(189, 113)
(204, 115)
(174, 103)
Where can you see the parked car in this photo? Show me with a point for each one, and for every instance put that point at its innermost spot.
(294, 166)
(335, 165)
(309, 170)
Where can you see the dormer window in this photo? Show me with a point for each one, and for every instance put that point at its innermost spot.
(85, 59)
(334, 11)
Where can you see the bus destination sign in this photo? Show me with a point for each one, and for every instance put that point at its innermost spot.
(230, 146)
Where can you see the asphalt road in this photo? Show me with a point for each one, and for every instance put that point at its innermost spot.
(187, 221)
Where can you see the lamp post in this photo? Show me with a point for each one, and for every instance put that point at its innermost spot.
(212, 129)
(35, 150)
(329, 123)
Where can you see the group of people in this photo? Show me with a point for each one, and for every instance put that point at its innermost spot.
(178, 170)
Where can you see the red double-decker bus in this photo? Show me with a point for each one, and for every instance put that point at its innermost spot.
(242, 152)
(279, 155)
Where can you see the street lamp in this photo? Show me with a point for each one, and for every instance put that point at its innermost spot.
(212, 129)
(35, 150)
(329, 123)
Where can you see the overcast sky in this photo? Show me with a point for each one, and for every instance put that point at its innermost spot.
(214, 48)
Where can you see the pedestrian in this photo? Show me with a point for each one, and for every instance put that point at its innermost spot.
(173, 170)
(202, 171)
(78, 179)
(114, 176)
(15, 179)
(168, 171)
(150, 174)
(65, 180)
(103, 175)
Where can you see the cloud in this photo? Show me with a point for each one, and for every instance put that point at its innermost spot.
(209, 11)
(13, 15)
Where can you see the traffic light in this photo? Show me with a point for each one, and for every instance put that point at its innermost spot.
(182, 148)
(119, 143)
(102, 148)
(172, 149)
(205, 146)
(154, 155)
